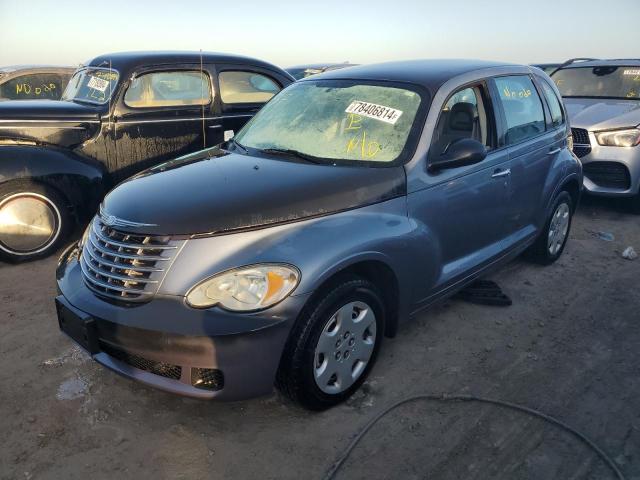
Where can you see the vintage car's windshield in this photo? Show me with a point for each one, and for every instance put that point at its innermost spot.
(336, 120)
(603, 81)
(93, 85)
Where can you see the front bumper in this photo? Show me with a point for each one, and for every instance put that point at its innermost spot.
(170, 346)
(603, 164)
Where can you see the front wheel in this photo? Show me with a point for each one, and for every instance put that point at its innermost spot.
(333, 346)
(553, 238)
(33, 221)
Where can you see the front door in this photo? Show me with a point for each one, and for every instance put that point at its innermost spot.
(162, 114)
(463, 209)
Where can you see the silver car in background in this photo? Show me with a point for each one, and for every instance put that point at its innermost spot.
(602, 98)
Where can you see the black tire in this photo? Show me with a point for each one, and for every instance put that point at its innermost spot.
(539, 252)
(295, 376)
(62, 222)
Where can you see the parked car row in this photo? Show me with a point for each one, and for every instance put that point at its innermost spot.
(214, 268)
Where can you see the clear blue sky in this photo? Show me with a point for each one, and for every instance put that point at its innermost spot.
(289, 32)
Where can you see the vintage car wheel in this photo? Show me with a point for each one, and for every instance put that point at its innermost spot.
(553, 238)
(334, 345)
(33, 221)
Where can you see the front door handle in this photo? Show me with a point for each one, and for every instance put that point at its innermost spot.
(554, 151)
(499, 173)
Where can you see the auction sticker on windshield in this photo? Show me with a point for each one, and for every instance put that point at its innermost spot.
(98, 84)
(377, 112)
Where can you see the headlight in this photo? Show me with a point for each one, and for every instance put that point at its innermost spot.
(619, 138)
(254, 287)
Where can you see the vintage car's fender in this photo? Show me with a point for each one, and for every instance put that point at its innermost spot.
(79, 180)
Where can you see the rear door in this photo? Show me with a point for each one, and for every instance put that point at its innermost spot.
(162, 113)
(244, 89)
(532, 143)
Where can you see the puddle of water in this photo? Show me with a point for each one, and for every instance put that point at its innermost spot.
(72, 388)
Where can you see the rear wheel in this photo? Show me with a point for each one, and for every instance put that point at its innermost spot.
(552, 240)
(33, 221)
(333, 346)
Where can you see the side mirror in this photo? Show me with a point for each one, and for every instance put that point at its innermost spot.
(461, 152)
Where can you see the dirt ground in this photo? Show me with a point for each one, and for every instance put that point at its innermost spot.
(568, 346)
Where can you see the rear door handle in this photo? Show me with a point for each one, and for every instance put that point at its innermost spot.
(215, 126)
(499, 173)
(554, 151)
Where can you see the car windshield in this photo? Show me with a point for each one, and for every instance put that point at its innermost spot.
(336, 120)
(93, 85)
(603, 81)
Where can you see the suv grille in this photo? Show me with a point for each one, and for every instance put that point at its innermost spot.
(581, 143)
(608, 174)
(124, 266)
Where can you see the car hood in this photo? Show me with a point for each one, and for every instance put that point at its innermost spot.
(602, 114)
(51, 122)
(216, 191)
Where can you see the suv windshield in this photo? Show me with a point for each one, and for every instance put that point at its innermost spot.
(94, 85)
(603, 81)
(336, 120)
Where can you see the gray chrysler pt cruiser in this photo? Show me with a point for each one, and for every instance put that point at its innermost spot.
(350, 202)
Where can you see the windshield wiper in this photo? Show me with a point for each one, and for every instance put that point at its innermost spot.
(291, 153)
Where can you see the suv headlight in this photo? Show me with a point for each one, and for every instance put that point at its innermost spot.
(619, 138)
(244, 289)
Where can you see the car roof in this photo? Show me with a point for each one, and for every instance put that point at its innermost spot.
(614, 62)
(427, 73)
(321, 65)
(125, 61)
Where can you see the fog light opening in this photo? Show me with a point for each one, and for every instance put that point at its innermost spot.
(207, 378)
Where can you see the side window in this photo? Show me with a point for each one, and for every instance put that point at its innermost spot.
(33, 86)
(464, 115)
(522, 108)
(246, 87)
(554, 104)
(169, 89)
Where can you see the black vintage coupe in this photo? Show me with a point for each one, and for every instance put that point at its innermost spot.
(120, 114)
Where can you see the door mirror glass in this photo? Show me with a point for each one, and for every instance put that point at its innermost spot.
(461, 152)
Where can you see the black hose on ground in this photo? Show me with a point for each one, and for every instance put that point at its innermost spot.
(471, 398)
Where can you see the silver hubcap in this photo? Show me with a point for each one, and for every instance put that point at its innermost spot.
(558, 228)
(345, 347)
(29, 223)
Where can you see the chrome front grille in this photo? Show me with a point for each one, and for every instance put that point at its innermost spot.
(124, 266)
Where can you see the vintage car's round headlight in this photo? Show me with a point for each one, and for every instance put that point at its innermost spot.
(253, 287)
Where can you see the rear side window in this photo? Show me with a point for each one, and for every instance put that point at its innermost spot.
(246, 87)
(34, 86)
(169, 89)
(522, 108)
(554, 104)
